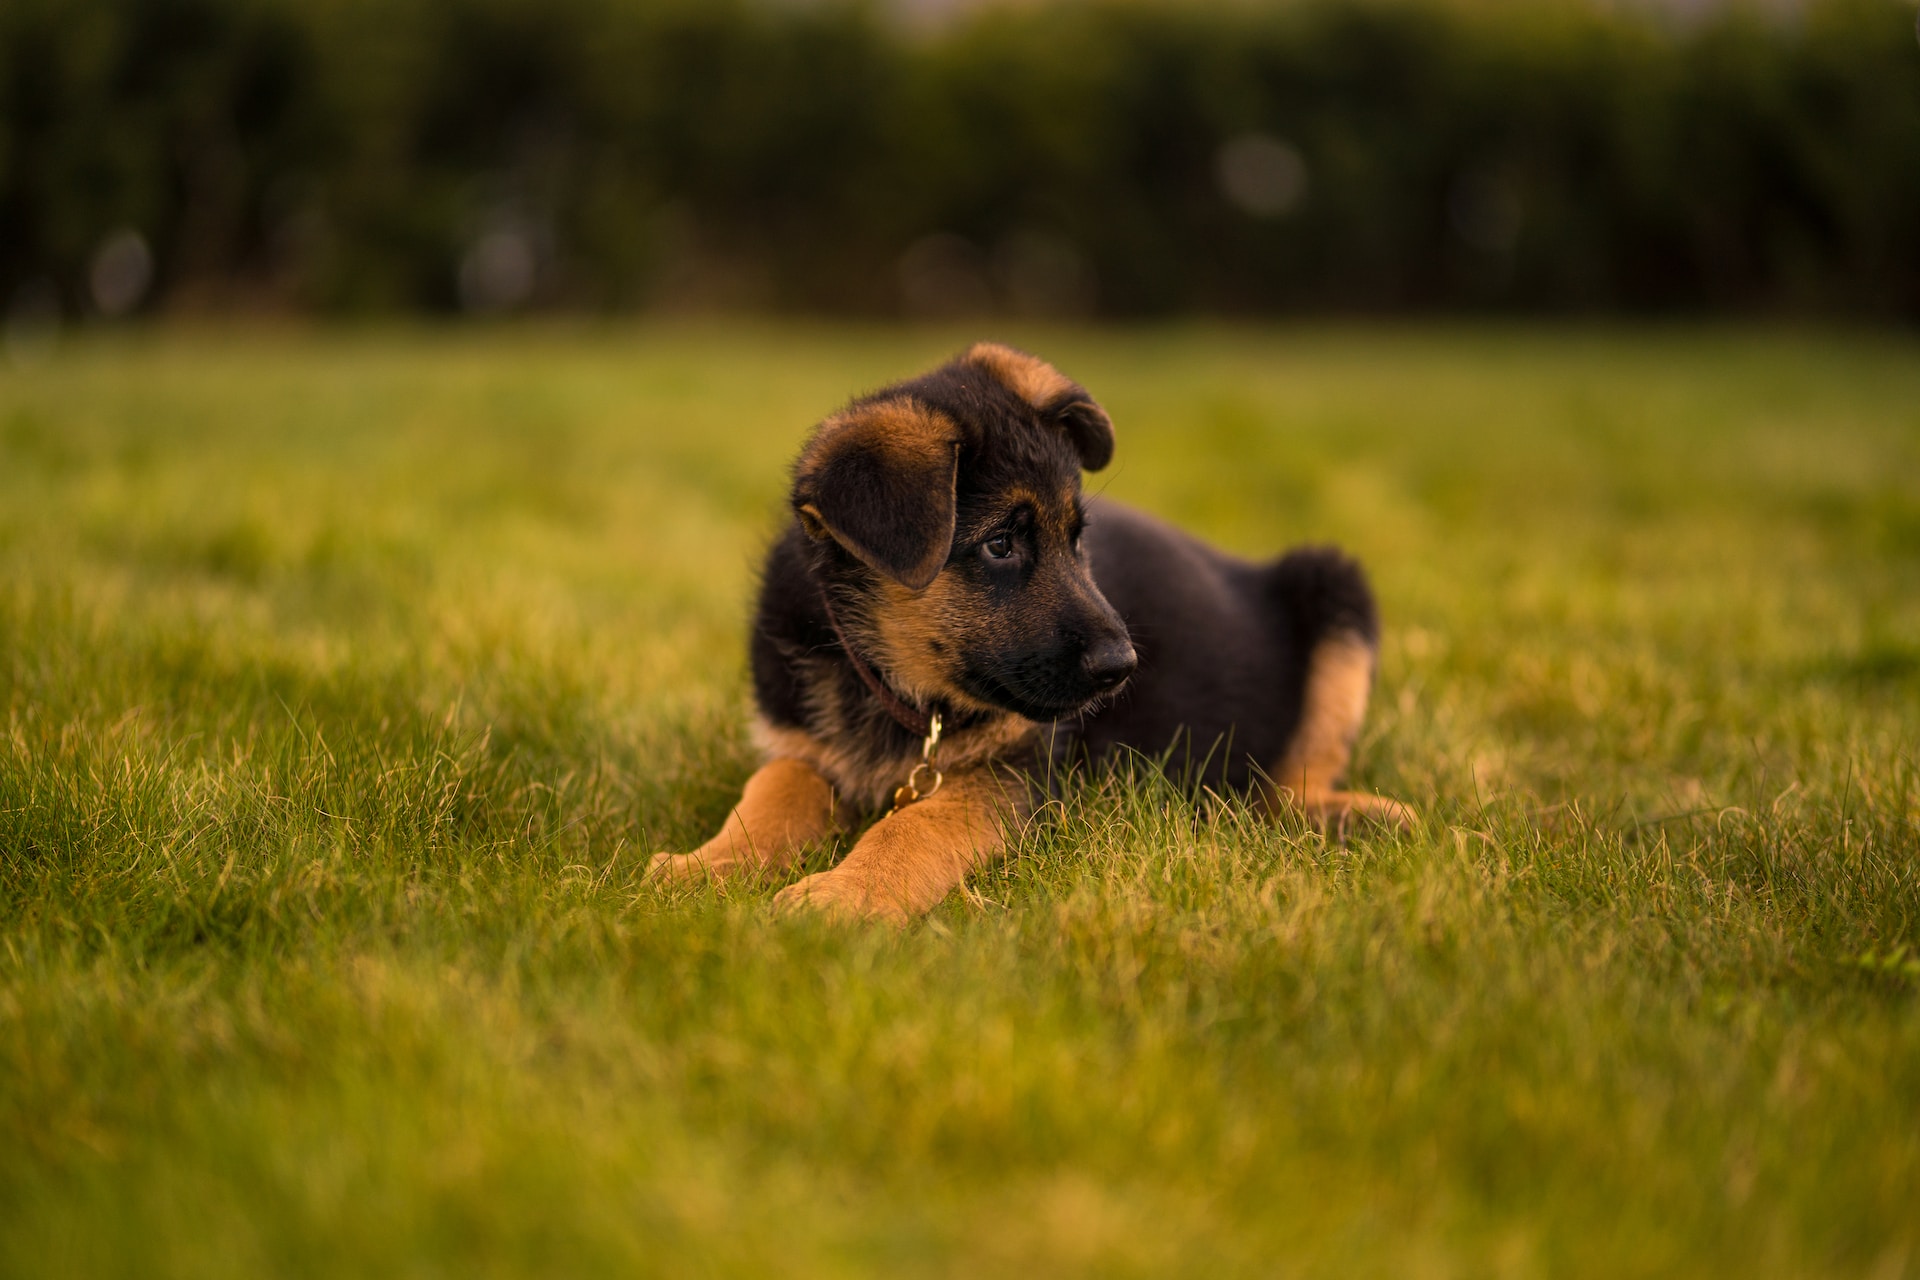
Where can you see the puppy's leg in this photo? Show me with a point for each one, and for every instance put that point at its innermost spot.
(785, 805)
(1339, 678)
(907, 862)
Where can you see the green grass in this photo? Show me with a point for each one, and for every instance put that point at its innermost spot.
(348, 681)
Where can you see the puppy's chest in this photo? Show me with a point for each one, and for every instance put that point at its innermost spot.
(865, 761)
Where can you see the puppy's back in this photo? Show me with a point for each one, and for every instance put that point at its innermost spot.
(1224, 644)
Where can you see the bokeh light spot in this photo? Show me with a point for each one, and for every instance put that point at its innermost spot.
(1261, 175)
(121, 272)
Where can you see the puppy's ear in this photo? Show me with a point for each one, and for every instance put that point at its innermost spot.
(879, 480)
(1056, 397)
(1088, 426)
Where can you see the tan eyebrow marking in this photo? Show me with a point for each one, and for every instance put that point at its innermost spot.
(1029, 377)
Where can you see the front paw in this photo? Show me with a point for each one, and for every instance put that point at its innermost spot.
(840, 896)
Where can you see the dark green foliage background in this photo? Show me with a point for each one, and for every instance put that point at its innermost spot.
(340, 156)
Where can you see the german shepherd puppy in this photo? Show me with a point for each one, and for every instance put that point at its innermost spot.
(947, 618)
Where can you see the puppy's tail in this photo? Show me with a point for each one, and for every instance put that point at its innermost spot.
(1322, 593)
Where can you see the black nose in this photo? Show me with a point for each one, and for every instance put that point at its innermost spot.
(1109, 662)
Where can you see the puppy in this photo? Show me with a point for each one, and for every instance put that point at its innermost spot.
(947, 618)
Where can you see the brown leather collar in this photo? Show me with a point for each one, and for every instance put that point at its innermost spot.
(918, 723)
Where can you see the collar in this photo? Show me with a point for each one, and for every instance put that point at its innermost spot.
(915, 721)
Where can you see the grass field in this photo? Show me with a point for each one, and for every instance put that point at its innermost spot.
(349, 679)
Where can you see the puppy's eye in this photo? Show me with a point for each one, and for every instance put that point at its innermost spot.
(998, 547)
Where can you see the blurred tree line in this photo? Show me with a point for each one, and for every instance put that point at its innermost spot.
(1125, 158)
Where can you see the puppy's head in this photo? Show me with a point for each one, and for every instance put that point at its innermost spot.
(948, 508)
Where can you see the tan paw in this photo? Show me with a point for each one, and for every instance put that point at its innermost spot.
(839, 896)
(1337, 810)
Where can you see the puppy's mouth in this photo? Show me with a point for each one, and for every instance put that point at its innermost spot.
(1042, 705)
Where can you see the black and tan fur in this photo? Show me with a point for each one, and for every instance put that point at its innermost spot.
(944, 519)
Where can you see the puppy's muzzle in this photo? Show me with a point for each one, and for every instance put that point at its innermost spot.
(1108, 664)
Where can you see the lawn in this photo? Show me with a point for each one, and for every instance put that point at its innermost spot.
(349, 678)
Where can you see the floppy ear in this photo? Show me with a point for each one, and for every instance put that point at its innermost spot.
(1057, 398)
(1088, 426)
(879, 480)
